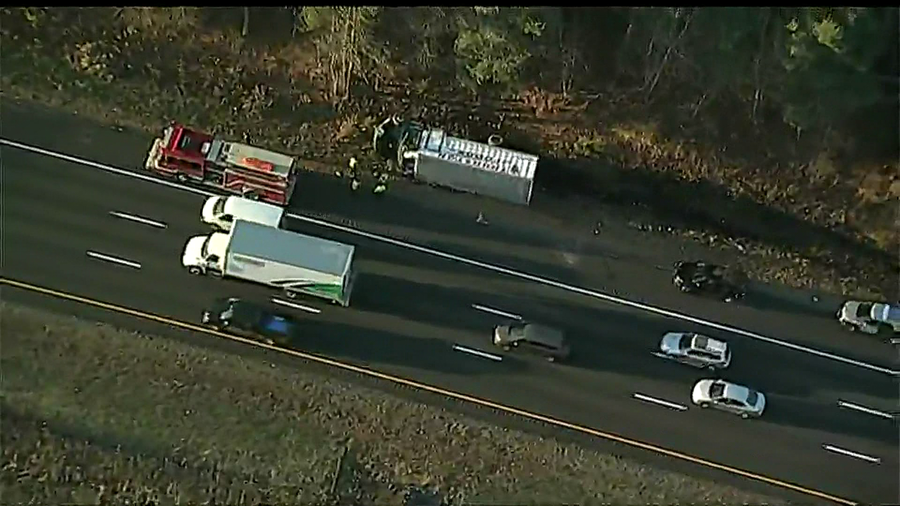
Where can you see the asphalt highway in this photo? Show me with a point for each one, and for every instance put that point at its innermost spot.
(113, 238)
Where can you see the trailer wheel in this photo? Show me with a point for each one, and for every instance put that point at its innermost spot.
(195, 270)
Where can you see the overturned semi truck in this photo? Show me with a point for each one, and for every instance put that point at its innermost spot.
(431, 156)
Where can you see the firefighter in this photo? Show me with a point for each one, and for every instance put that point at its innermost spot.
(354, 179)
(382, 178)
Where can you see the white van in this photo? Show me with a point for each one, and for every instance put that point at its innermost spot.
(221, 212)
(870, 317)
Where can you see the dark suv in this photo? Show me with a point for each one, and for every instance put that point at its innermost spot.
(252, 320)
(710, 279)
(542, 340)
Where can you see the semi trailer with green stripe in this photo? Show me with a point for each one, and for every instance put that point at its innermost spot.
(295, 263)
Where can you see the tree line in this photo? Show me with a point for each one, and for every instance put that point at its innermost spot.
(822, 70)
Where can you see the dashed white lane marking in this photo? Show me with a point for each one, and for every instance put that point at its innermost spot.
(476, 263)
(139, 219)
(496, 311)
(860, 456)
(654, 400)
(478, 353)
(857, 407)
(115, 260)
(297, 306)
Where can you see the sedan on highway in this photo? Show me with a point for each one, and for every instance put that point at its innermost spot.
(251, 320)
(730, 397)
(533, 338)
(705, 278)
(695, 349)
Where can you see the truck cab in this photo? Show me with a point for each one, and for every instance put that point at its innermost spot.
(205, 254)
(220, 212)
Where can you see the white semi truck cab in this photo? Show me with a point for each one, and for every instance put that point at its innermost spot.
(206, 253)
(221, 212)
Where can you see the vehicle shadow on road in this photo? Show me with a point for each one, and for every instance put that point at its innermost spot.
(464, 236)
(324, 193)
(416, 301)
(807, 414)
(376, 348)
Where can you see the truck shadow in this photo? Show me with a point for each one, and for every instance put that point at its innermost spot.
(414, 208)
(709, 207)
(376, 348)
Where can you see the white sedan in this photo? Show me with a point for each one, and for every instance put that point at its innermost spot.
(737, 399)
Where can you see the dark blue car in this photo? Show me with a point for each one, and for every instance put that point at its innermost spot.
(252, 320)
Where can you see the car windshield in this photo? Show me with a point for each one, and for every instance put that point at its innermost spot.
(517, 331)
(227, 314)
(204, 250)
(864, 311)
(752, 398)
(716, 390)
(219, 206)
(684, 342)
(276, 324)
(700, 342)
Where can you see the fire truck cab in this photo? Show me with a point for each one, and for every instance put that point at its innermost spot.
(192, 156)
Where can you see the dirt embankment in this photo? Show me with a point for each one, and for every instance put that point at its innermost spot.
(95, 414)
(811, 222)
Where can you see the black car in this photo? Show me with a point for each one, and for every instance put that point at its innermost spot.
(249, 319)
(709, 279)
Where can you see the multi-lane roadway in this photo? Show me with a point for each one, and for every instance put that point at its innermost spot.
(112, 237)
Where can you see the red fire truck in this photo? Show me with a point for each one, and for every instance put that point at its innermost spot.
(192, 156)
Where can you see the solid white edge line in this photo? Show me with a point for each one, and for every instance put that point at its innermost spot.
(496, 311)
(867, 458)
(661, 402)
(857, 407)
(476, 263)
(477, 352)
(132, 217)
(296, 306)
(115, 260)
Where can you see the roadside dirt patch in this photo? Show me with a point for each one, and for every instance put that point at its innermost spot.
(94, 413)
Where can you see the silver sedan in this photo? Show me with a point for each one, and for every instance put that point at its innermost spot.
(695, 350)
(730, 397)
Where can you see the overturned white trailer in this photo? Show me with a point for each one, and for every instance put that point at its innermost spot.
(432, 156)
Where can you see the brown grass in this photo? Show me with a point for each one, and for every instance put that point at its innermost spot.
(91, 414)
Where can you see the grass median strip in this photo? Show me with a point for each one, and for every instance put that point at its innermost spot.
(91, 412)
